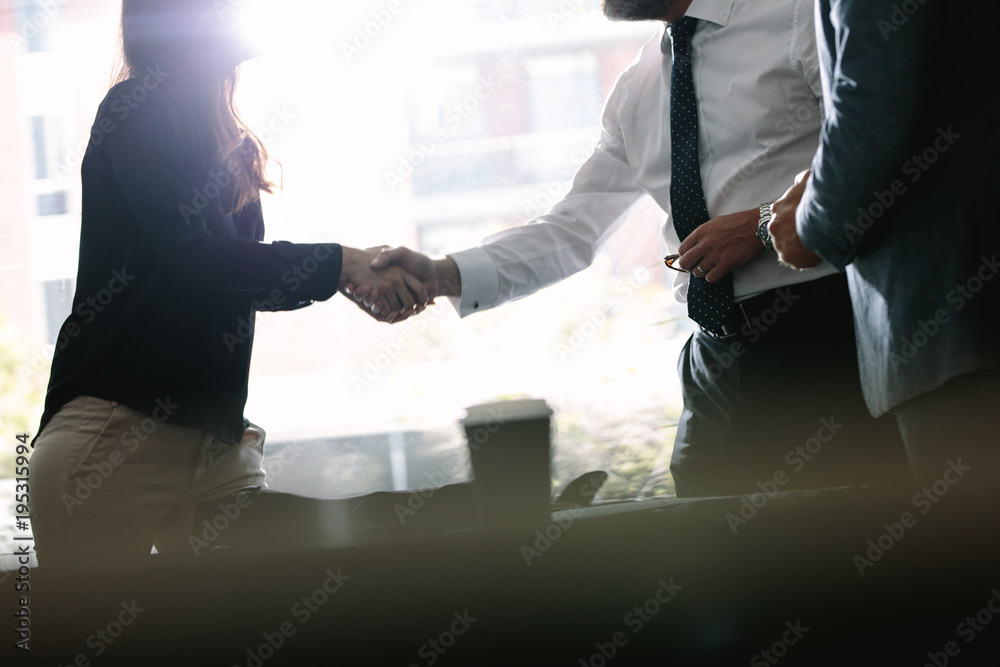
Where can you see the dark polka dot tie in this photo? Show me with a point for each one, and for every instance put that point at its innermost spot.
(709, 304)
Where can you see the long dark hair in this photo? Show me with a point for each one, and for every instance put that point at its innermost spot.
(200, 51)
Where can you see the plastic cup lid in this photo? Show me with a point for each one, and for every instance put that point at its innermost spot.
(500, 412)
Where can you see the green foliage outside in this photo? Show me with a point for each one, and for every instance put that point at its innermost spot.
(24, 373)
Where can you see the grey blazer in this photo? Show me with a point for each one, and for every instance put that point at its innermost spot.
(905, 191)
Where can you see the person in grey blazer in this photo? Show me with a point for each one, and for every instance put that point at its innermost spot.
(904, 193)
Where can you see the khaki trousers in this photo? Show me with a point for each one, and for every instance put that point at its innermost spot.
(108, 482)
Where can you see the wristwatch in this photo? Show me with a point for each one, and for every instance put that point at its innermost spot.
(762, 233)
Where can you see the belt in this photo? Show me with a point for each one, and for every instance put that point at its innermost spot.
(768, 306)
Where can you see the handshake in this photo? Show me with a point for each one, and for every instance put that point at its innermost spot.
(392, 285)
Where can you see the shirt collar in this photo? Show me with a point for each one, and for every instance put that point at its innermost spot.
(716, 11)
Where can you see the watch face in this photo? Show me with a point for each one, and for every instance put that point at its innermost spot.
(764, 235)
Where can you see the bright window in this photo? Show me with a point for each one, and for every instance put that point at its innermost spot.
(428, 125)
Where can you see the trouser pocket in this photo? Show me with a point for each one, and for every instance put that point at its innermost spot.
(88, 419)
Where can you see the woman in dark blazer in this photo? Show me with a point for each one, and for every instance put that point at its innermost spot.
(144, 411)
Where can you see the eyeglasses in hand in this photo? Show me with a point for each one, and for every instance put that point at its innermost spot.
(671, 262)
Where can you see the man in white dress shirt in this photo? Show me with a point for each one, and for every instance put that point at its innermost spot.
(766, 331)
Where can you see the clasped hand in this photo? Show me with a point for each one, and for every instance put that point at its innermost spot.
(386, 285)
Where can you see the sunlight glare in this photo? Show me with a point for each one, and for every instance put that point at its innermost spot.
(267, 25)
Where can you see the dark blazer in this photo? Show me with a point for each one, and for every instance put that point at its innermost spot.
(905, 191)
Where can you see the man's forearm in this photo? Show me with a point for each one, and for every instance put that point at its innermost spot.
(448, 277)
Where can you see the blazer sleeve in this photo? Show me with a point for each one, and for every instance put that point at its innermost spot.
(167, 199)
(866, 138)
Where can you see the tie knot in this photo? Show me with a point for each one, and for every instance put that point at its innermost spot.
(680, 34)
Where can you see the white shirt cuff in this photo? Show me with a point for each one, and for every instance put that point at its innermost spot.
(480, 283)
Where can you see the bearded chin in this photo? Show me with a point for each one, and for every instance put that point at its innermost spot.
(636, 10)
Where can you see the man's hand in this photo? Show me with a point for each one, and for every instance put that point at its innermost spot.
(791, 250)
(386, 295)
(721, 245)
(418, 265)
